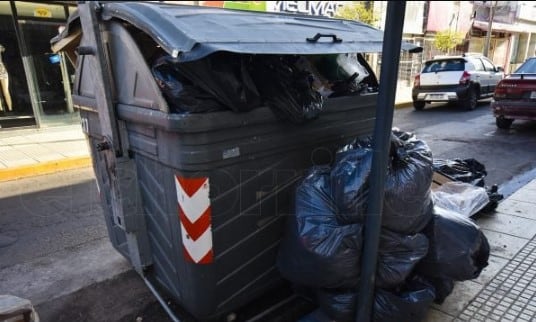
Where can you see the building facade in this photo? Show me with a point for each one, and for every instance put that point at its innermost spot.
(36, 83)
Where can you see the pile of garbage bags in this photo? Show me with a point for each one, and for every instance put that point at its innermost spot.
(466, 193)
(293, 86)
(423, 248)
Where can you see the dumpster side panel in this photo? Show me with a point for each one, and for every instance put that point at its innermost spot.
(250, 196)
(115, 233)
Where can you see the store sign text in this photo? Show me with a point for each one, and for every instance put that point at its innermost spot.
(42, 13)
(317, 8)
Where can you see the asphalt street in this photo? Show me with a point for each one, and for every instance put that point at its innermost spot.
(452, 132)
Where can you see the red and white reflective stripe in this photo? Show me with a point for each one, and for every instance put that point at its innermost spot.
(195, 219)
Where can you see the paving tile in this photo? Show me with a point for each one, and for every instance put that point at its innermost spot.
(510, 292)
(517, 208)
(19, 139)
(60, 136)
(38, 152)
(524, 194)
(503, 245)
(437, 316)
(461, 296)
(69, 149)
(508, 224)
(14, 158)
(495, 264)
(531, 185)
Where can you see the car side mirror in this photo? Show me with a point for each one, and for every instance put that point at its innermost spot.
(499, 69)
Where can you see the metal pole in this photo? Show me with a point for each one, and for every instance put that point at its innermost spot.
(488, 35)
(392, 39)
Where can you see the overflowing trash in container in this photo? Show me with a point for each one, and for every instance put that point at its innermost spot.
(293, 86)
(423, 247)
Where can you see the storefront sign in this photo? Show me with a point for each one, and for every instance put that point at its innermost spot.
(245, 5)
(317, 8)
(42, 13)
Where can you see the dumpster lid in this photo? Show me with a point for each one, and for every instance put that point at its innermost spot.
(191, 32)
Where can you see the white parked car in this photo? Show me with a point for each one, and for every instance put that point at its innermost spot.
(463, 79)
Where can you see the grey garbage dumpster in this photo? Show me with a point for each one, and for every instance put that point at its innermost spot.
(196, 201)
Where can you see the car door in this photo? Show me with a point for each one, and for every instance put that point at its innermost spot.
(498, 74)
(480, 75)
(490, 73)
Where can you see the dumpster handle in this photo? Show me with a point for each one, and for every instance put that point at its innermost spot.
(319, 35)
(85, 50)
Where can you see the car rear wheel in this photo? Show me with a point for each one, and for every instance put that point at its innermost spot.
(471, 101)
(418, 105)
(503, 123)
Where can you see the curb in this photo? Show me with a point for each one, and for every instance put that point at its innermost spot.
(403, 105)
(44, 168)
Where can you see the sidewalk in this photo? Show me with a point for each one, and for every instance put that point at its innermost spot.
(30, 152)
(506, 289)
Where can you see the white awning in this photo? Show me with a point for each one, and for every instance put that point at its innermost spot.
(505, 27)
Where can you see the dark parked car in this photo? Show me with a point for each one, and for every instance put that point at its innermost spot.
(515, 96)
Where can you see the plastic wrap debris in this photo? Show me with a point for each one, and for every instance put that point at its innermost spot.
(460, 197)
(467, 170)
(409, 303)
(316, 250)
(458, 248)
(472, 172)
(226, 77)
(343, 73)
(182, 96)
(349, 180)
(407, 202)
(285, 88)
(397, 256)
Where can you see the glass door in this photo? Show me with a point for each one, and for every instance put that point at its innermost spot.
(15, 103)
(51, 74)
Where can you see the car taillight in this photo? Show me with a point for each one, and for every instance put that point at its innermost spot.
(417, 81)
(466, 77)
(500, 91)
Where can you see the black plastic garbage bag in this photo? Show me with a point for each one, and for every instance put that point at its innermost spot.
(458, 250)
(316, 250)
(443, 287)
(181, 95)
(285, 88)
(350, 181)
(397, 256)
(407, 201)
(226, 77)
(339, 304)
(408, 304)
(466, 170)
